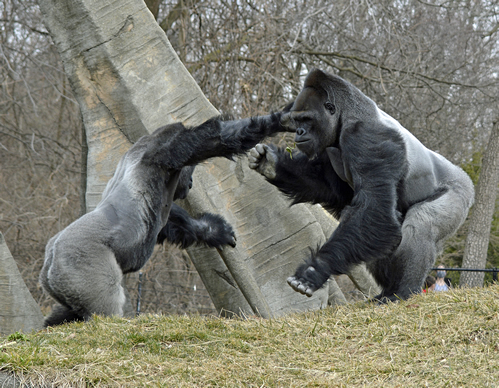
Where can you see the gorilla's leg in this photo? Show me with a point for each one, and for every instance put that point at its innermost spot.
(89, 284)
(60, 313)
(425, 228)
(104, 293)
(404, 272)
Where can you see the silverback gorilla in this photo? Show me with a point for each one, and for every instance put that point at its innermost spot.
(85, 262)
(396, 200)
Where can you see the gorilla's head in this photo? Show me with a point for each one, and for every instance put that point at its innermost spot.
(184, 182)
(326, 104)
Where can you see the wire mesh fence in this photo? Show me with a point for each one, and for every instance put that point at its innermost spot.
(169, 284)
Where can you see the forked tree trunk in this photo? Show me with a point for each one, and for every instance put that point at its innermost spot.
(128, 82)
(477, 240)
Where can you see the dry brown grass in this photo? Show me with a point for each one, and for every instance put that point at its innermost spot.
(445, 339)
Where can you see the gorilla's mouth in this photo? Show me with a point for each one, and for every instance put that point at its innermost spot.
(306, 147)
(301, 143)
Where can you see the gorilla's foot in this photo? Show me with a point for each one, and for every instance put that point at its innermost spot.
(385, 299)
(61, 314)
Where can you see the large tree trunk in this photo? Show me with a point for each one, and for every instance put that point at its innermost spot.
(128, 82)
(477, 240)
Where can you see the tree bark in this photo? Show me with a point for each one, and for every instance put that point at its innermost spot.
(18, 309)
(477, 240)
(128, 82)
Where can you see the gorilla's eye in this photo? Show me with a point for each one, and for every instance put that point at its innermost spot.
(330, 107)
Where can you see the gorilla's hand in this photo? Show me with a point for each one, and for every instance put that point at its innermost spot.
(263, 159)
(215, 232)
(309, 277)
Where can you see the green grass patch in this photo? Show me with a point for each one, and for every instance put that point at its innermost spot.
(437, 340)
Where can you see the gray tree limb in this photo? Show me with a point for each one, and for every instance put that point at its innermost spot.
(477, 240)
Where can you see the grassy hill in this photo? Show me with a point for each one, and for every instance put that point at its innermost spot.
(444, 339)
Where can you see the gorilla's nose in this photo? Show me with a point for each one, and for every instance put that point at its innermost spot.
(300, 132)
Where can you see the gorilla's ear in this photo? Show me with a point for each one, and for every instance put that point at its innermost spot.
(330, 107)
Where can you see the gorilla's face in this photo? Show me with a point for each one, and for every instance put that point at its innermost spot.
(184, 183)
(314, 119)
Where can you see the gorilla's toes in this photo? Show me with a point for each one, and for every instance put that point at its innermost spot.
(301, 286)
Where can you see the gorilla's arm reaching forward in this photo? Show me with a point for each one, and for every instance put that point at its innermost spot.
(210, 139)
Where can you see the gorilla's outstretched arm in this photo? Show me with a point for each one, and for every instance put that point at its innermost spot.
(215, 138)
(184, 230)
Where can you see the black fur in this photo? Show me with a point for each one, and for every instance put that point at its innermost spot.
(396, 200)
(211, 139)
(84, 263)
(61, 314)
(184, 231)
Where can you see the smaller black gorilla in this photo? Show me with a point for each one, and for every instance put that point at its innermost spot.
(85, 262)
(396, 200)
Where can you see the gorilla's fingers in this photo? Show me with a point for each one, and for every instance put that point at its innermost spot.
(292, 281)
(299, 286)
(233, 241)
(261, 149)
(253, 162)
(263, 159)
(255, 156)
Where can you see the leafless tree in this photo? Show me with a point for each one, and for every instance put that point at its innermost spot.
(39, 139)
(432, 66)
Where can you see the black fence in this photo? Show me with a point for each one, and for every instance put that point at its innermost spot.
(493, 270)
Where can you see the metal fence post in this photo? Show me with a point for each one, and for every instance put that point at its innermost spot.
(139, 292)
